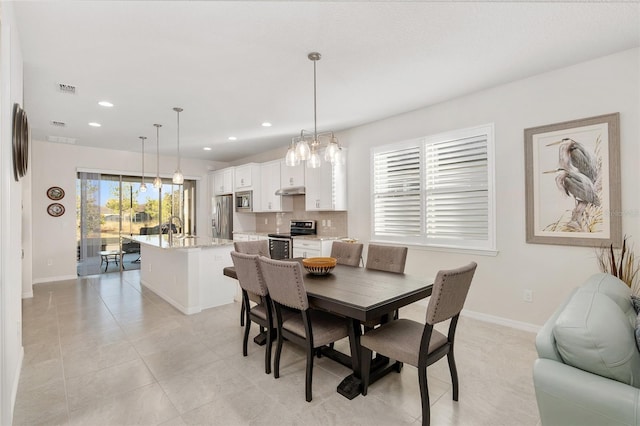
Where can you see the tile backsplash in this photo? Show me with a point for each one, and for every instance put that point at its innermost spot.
(328, 223)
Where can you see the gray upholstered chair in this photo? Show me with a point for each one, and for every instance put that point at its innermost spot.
(349, 254)
(251, 282)
(386, 258)
(310, 328)
(420, 344)
(260, 247)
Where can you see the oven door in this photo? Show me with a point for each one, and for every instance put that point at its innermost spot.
(280, 248)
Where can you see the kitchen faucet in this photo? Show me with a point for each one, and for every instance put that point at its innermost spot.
(170, 231)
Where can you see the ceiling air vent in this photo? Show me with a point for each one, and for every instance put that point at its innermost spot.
(62, 139)
(69, 89)
(58, 123)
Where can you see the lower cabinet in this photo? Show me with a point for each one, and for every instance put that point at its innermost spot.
(311, 248)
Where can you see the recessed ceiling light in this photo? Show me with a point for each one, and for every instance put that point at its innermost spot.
(266, 124)
(207, 148)
(232, 138)
(94, 124)
(105, 104)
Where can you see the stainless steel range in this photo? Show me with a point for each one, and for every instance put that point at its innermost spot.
(280, 244)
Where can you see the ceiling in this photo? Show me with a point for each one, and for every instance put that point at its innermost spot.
(234, 65)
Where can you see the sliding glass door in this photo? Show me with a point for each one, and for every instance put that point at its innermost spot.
(110, 207)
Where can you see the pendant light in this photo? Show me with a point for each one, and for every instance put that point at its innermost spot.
(157, 182)
(178, 178)
(143, 187)
(306, 147)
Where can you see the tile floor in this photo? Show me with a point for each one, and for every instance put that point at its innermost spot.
(103, 351)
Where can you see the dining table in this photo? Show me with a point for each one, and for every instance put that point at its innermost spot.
(362, 295)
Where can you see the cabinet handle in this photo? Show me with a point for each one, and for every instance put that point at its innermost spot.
(290, 181)
(269, 205)
(317, 204)
(242, 182)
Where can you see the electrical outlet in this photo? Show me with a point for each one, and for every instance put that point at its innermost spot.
(149, 267)
(49, 262)
(266, 221)
(527, 296)
(328, 222)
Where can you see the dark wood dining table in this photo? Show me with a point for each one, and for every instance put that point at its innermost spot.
(362, 295)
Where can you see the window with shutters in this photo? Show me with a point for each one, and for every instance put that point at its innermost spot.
(436, 191)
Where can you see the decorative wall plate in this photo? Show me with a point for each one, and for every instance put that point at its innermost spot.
(55, 193)
(20, 142)
(55, 209)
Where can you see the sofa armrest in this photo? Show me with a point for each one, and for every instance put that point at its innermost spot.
(570, 396)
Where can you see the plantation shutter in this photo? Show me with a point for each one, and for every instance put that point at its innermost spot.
(457, 190)
(397, 193)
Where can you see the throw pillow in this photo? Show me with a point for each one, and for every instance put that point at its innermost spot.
(635, 300)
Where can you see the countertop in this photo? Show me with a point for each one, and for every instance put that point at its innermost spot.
(162, 241)
(317, 238)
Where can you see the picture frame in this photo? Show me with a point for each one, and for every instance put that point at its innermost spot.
(572, 182)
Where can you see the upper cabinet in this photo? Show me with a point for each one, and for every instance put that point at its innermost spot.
(269, 184)
(326, 186)
(291, 176)
(222, 181)
(247, 176)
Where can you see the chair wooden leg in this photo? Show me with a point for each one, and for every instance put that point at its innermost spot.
(242, 315)
(454, 374)
(307, 385)
(246, 336)
(276, 362)
(366, 368)
(267, 352)
(424, 395)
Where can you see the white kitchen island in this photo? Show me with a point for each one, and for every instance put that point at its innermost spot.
(188, 272)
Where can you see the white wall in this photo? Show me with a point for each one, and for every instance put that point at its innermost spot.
(11, 352)
(606, 85)
(54, 238)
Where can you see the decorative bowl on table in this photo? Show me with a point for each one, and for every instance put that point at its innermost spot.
(319, 265)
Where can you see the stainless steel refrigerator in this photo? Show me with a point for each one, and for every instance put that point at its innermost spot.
(222, 216)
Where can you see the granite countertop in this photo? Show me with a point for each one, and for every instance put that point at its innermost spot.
(162, 241)
(264, 234)
(317, 237)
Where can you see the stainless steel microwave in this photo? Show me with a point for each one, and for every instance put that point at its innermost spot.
(244, 201)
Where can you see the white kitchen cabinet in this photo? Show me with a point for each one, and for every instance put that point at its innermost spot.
(326, 186)
(303, 247)
(269, 184)
(291, 176)
(222, 181)
(247, 176)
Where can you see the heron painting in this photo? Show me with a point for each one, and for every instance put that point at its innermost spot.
(571, 168)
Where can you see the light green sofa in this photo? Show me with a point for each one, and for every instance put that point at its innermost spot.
(588, 366)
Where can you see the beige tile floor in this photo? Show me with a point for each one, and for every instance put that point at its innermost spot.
(103, 351)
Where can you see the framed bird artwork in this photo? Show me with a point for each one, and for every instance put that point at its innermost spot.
(572, 180)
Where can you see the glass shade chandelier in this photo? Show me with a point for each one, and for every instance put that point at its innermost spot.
(157, 182)
(178, 178)
(143, 187)
(306, 146)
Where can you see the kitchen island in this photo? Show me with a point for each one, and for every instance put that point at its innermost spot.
(187, 272)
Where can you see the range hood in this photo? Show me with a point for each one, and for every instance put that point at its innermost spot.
(294, 190)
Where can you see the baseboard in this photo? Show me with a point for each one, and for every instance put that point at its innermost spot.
(14, 387)
(178, 306)
(501, 321)
(52, 279)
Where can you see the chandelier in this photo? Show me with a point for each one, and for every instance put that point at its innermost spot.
(306, 146)
(178, 178)
(143, 187)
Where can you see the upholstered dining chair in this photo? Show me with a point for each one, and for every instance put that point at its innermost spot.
(260, 247)
(250, 280)
(310, 328)
(349, 254)
(388, 259)
(420, 344)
